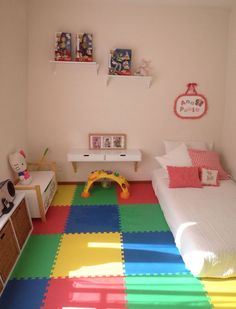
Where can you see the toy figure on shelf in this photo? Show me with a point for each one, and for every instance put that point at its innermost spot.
(19, 166)
(143, 69)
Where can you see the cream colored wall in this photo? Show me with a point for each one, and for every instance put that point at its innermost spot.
(229, 127)
(184, 45)
(13, 71)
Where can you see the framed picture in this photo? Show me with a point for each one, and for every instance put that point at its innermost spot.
(63, 46)
(84, 47)
(191, 104)
(107, 141)
(120, 61)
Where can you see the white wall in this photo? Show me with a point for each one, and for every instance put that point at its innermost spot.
(184, 45)
(229, 127)
(13, 72)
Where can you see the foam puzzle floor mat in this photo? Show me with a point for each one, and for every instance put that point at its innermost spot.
(105, 253)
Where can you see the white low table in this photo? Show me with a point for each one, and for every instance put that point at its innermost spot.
(76, 155)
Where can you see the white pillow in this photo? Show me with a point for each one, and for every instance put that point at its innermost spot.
(209, 177)
(171, 145)
(177, 157)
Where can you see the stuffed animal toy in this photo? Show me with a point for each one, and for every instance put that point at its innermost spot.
(19, 166)
(143, 69)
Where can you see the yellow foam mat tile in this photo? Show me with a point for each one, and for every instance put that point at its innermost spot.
(89, 255)
(64, 195)
(222, 292)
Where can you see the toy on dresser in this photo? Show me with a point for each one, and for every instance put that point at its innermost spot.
(19, 166)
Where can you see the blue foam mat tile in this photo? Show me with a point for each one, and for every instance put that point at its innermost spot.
(91, 219)
(23, 294)
(151, 253)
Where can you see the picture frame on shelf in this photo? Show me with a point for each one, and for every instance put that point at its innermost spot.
(84, 47)
(104, 141)
(120, 61)
(62, 51)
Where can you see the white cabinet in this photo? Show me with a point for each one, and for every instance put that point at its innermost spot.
(39, 193)
(15, 228)
(85, 155)
(130, 155)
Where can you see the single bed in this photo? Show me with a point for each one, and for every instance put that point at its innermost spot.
(203, 222)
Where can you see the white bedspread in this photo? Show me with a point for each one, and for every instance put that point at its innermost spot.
(203, 222)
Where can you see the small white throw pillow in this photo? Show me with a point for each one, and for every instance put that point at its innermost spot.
(177, 157)
(209, 177)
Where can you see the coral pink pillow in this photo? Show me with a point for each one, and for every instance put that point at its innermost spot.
(183, 177)
(203, 158)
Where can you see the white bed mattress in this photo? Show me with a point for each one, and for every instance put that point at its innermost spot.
(203, 222)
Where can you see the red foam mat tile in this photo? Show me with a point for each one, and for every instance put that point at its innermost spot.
(55, 221)
(140, 193)
(98, 292)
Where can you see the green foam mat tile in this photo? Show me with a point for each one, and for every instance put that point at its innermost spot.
(98, 196)
(142, 218)
(37, 258)
(165, 291)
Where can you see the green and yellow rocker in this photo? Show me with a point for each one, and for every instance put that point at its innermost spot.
(101, 174)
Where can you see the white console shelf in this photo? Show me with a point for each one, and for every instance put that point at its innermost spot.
(93, 65)
(146, 79)
(76, 155)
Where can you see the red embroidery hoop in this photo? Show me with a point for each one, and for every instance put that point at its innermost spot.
(190, 105)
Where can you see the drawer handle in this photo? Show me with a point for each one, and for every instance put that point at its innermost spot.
(2, 236)
(86, 155)
(123, 155)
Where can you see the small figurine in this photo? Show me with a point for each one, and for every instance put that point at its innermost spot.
(143, 69)
(18, 164)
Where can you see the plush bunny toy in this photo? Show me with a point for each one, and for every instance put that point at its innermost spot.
(143, 69)
(18, 164)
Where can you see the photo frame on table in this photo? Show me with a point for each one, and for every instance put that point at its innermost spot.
(107, 141)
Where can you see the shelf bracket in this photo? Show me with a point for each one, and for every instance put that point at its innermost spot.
(135, 166)
(150, 82)
(54, 68)
(74, 165)
(97, 68)
(108, 80)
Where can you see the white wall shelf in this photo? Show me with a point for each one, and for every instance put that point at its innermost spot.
(76, 155)
(94, 65)
(146, 79)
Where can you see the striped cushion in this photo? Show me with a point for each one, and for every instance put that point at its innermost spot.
(208, 159)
